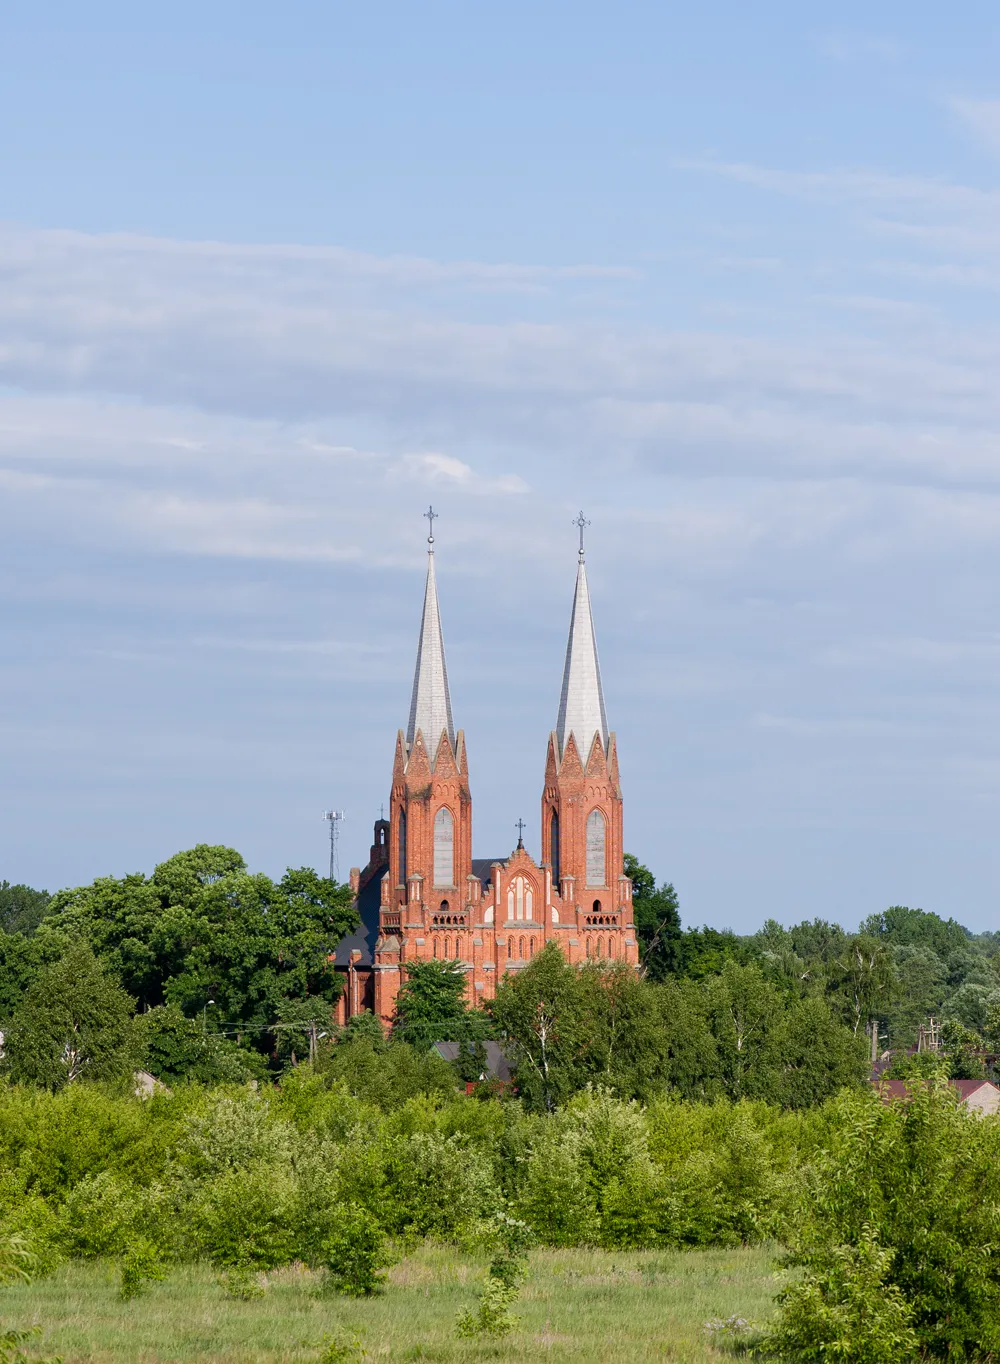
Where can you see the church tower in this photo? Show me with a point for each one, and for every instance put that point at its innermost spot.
(429, 880)
(582, 800)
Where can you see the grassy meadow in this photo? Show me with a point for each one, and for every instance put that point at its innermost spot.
(581, 1305)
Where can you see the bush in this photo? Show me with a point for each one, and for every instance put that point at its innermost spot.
(140, 1265)
(355, 1253)
(899, 1234)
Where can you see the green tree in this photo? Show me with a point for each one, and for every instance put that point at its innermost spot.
(173, 1047)
(431, 1006)
(864, 981)
(657, 919)
(22, 908)
(203, 928)
(20, 962)
(898, 1235)
(74, 1022)
(541, 1015)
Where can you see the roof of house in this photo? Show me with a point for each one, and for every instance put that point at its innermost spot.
(899, 1089)
(497, 1065)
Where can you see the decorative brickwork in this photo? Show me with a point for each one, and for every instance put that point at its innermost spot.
(493, 918)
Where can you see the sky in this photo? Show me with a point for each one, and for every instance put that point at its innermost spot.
(726, 277)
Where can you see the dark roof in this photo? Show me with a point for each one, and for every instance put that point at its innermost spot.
(365, 937)
(497, 1065)
(481, 868)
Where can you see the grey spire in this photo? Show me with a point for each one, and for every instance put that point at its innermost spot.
(581, 705)
(430, 704)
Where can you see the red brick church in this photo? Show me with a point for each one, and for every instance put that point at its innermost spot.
(423, 894)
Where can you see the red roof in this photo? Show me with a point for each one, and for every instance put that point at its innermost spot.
(899, 1089)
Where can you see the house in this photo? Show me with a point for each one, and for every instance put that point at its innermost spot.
(980, 1096)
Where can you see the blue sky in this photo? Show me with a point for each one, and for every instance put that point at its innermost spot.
(272, 278)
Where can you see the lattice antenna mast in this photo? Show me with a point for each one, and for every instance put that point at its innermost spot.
(336, 817)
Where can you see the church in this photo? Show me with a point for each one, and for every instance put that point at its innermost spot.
(423, 894)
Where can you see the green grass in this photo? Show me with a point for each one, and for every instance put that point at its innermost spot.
(580, 1305)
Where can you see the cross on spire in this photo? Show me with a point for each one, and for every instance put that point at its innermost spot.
(432, 516)
(583, 523)
(519, 826)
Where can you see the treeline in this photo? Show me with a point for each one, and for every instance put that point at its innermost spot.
(902, 968)
(206, 971)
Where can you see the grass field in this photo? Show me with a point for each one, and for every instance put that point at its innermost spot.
(585, 1306)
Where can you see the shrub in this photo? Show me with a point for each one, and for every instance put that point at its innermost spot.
(899, 1234)
(244, 1218)
(140, 1265)
(852, 1312)
(355, 1253)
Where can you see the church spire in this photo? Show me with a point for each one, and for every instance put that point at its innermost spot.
(581, 705)
(430, 704)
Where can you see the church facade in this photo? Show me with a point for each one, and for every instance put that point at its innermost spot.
(423, 894)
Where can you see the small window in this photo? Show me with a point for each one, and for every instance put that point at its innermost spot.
(611, 947)
(597, 906)
(435, 946)
(447, 948)
(401, 845)
(510, 948)
(521, 950)
(444, 907)
(531, 947)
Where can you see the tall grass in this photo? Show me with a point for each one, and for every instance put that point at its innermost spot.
(587, 1306)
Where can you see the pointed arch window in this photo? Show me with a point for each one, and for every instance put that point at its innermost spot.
(444, 848)
(597, 839)
(401, 844)
(554, 849)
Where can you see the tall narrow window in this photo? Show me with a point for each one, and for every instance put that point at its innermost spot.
(401, 835)
(520, 952)
(554, 849)
(444, 848)
(596, 852)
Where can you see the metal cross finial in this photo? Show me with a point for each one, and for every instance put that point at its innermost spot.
(583, 523)
(381, 811)
(432, 516)
(519, 826)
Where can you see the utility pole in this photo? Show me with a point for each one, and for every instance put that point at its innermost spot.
(335, 817)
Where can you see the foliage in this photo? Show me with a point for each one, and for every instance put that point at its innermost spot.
(899, 1233)
(173, 1047)
(657, 918)
(203, 928)
(853, 1312)
(355, 1253)
(141, 1264)
(509, 1240)
(12, 1353)
(21, 908)
(431, 1006)
(73, 1022)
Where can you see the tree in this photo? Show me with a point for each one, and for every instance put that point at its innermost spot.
(657, 920)
(540, 1013)
(20, 962)
(74, 1022)
(173, 1047)
(431, 1006)
(203, 928)
(21, 908)
(864, 977)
